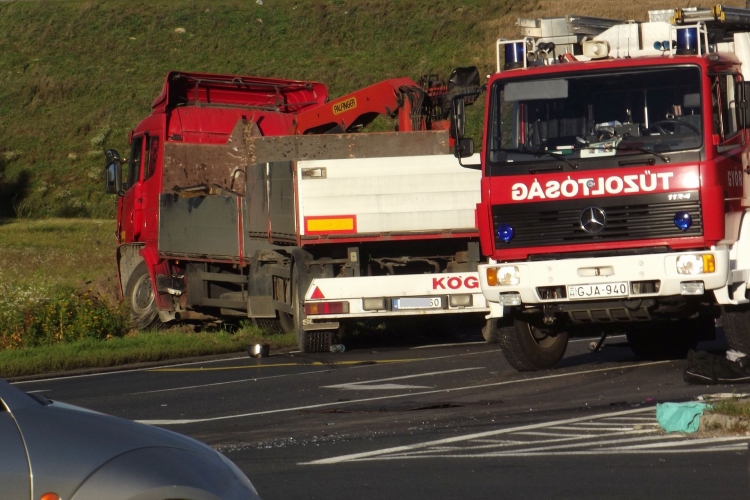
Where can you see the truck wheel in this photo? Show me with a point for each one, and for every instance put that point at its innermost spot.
(529, 347)
(490, 332)
(139, 297)
(269, 324)
(307, 341)
(665, 340)
(736, 322)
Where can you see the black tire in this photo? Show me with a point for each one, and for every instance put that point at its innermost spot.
(490, 332)
(140, 299)
(271, 325)
(665, 340)
(531, 347)
(307, 341)
(736, 323)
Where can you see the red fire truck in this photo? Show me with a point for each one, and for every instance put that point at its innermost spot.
(613, 190)
(247, 197)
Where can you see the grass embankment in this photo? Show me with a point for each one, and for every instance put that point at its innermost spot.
(59, 308)
(134, 347)
(77, 75)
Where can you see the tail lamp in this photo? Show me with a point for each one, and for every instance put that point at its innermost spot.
(318, 308)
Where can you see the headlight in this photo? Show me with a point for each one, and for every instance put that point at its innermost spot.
(503, 275)
(696, 264)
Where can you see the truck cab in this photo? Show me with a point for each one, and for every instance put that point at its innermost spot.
(613, 197)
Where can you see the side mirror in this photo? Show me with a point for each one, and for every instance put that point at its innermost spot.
(112, 172)
(464, 147)
(458, 119)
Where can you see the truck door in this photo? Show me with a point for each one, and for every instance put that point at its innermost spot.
(151, 187)
(132, 201)
(730, 142)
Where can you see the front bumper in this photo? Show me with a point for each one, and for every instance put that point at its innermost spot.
(364, 295)
(644, 276)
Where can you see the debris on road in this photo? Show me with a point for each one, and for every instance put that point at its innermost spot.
(680, 417)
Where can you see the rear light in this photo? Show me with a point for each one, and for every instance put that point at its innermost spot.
(316, 308)
(373, 304)
(50, 496)
(460, 300)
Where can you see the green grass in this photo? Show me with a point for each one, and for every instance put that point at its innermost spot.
(732, 408)
(133, 348)
(77, 75)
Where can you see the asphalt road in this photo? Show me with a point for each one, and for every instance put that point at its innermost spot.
(433, 421)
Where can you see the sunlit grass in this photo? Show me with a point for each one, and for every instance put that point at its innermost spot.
(136, 347)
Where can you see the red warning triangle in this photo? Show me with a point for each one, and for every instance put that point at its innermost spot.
(317, 294)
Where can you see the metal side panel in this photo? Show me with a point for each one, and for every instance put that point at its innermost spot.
(205, 226)
(260, 150)
(281, 201)
(256, 203)
(189, 164)
(386, 195)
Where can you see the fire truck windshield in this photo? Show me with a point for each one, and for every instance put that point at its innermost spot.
(595, 119)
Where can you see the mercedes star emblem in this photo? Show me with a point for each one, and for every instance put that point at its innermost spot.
(593, 219)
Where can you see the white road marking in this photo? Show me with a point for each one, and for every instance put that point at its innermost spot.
(467, 437)
(633, 419)
(254, 379)
(624, 441)
(667, 451)
(602, 424)
(567, 446)
(38, 391)
(448, 345)
(552, 434)
(595, 339)
(373, 384)
(378, 387)
(618, 368)
(599, 429)
(685, 443)
(116, 372)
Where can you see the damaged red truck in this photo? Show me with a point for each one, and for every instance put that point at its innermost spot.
(258, 198)
(614, 187)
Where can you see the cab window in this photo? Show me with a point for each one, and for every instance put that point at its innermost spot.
(134, 164)
(725, 95)
(152, 153)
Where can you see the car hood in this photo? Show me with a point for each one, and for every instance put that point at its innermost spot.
(83, 441)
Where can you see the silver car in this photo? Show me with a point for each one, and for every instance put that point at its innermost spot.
(53, 450)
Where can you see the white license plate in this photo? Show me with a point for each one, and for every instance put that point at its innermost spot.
(417, 303)
(600, 291)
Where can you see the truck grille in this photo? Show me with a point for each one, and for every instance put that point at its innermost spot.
(631, 218)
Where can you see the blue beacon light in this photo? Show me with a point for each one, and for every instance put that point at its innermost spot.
(515, 53)
(505, 232)
(687, 41)
(683, 220)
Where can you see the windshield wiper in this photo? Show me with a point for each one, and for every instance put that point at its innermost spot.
(664, 158)
(539, 153)
(582, 143)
